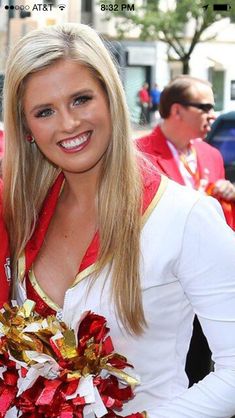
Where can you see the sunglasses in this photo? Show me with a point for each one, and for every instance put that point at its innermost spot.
(205, 107)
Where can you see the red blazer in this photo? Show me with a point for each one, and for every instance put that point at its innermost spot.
(5, 276)
(210, 161)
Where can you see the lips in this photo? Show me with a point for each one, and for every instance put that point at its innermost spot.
(75, 143)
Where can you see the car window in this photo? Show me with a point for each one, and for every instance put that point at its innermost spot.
(224, 140)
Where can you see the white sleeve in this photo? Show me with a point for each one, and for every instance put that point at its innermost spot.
(206, 270)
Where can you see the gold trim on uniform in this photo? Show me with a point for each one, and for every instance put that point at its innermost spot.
(41, 292)
(84, 273)
(157, 197)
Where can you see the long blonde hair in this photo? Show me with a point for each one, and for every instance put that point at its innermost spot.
(28, 175)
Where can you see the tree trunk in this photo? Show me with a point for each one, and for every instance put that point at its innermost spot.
(185, 65)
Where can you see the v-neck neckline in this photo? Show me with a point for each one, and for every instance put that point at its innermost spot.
(153, 194)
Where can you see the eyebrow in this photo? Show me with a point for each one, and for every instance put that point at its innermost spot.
(72, 96)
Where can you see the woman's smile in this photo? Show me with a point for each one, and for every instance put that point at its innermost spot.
(75, 143)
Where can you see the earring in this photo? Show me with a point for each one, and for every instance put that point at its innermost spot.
(30, 139)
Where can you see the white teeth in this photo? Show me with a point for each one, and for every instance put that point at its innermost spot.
(75, 142)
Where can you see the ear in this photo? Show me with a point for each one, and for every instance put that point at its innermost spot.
(176, 110)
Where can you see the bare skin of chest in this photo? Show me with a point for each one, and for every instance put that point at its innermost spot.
(68, 237)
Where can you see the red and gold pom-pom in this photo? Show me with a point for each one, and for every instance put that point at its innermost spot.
(48, 371)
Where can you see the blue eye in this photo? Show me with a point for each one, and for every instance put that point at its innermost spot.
(81, 100)
(44, 113)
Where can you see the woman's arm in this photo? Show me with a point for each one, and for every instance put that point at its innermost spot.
(206, 270)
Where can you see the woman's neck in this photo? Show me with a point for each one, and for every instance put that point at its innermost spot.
(80, 189)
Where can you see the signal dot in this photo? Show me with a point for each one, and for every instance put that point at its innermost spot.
(6, 7)
(12, 7)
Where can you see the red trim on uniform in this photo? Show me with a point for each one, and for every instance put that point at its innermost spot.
(91, 254)
(151, 182)
(41, 306)
(35, 243)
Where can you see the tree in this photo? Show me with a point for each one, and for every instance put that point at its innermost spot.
(170, 24)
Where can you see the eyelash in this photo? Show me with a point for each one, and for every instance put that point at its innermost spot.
(48, 112)
(82, 99)
(44, 113)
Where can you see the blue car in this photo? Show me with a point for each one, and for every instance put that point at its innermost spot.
(222, 137)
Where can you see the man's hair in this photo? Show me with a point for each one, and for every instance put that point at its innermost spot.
(178, 90)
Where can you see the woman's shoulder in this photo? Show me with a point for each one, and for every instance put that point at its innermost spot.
(159, 188)
(152, 183)
(173, 202)
(180, 199)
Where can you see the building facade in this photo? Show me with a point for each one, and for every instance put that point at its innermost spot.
(138, 61)
(148, 61)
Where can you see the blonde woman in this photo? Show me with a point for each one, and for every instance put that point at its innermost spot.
(92, 227)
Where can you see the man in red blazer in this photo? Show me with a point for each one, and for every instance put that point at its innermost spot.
(177, 148)
(5, 272)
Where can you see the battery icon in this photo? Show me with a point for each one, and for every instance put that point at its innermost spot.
(222, 7)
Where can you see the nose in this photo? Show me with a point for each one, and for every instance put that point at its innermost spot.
(68, 121)
(211, 115)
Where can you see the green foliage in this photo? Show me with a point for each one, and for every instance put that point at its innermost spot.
(170, 25)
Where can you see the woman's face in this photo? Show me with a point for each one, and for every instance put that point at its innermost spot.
(67, 113)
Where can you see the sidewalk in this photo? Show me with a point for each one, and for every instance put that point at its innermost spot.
(138, 131)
